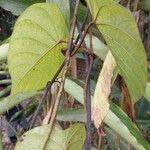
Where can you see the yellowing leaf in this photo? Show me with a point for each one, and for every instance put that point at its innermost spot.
(120, 31)
(100, 103)
(35, 48)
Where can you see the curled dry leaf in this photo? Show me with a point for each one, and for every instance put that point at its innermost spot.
(100, 105)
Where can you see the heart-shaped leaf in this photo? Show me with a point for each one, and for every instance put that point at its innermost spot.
(35, 47)
(120, 31)
(69, 139)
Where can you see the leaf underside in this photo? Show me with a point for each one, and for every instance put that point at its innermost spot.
(35, 48)
(120, 31)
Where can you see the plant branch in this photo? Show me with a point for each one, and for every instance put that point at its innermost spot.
(82, 37)
(43, 98)
(67, 62)
(87, 94)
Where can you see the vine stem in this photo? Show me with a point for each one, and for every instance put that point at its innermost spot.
(87, 96)
(67, 62)
(43, 98)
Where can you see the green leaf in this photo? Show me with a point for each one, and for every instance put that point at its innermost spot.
(145, 5)
(81, 13)
(65, 8)
(69, 139)
(115, 118)
(11, 101)
(71, 115)
(111, 138)
(120, 31)
(35, 47)
(17, 6)
(99, 48)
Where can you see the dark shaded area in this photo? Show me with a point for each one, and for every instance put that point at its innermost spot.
(7, 21)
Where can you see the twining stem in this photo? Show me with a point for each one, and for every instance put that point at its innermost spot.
(87, 97)
(87, 94)
(82, 38)
(67, 62)
(43, 98)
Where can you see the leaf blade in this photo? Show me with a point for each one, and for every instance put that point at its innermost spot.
(35, 48)
(120, 32)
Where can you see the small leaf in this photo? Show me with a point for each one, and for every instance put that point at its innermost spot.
(69, 139)
(120, 31)
(35, 48)
(100, 105)
(17, 6)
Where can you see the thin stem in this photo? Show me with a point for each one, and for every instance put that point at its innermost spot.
(43, 98)
(87, 94)
(99, 142)
(67, 61)
(82, 38)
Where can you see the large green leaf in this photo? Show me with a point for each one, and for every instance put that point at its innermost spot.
(17, 6)
(115, 118)
(35, 48)
(69, 139)
(120, 31)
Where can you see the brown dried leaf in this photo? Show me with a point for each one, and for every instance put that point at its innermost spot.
(100, 105)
